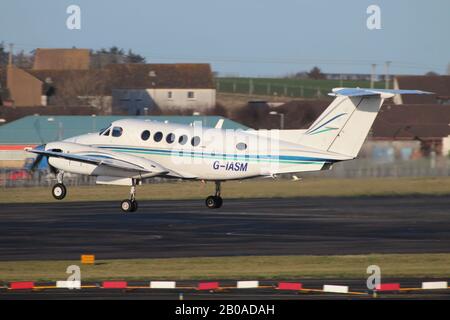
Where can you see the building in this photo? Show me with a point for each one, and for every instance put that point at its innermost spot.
(439, 85)
(140, 87)
(61, 59)
(427, 125)
(62, 77)
(35, 130)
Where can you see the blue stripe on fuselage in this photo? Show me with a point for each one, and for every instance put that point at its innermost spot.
(260, 157)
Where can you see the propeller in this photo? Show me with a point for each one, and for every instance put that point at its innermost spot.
(39, 158)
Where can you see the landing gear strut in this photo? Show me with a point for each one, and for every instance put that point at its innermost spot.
(59, 190)
(215, 201)
(130, 205)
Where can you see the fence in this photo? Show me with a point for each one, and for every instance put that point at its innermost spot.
(360, 168)
(304, 88)
(367, 168)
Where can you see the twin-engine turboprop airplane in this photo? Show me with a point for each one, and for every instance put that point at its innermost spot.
(129, 151)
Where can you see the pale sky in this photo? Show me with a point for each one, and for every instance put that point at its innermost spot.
(245, 37)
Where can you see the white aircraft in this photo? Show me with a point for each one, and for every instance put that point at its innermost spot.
(129, 150)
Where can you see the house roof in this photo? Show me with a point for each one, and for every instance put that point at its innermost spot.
(130, 76)
(412, 121)
(42, 129)
(164, 76)
(61, 59)
(440, 85)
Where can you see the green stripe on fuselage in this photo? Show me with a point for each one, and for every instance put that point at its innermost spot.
(188, 154)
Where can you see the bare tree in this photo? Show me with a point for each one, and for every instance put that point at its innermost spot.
(316, 74)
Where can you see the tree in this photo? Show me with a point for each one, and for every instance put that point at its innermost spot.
(3, 55)
(431, 74)
(20, 59)
(316, 74)
(23, 60)
(134, 57)
(103, 57)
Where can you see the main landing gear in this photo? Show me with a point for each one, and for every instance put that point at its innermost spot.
(130, 205)
(215, 201)
(59, 190)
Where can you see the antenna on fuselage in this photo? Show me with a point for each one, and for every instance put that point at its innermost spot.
(219, 123)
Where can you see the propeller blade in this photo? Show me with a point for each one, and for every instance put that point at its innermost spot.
(36, 162)
(38, 159)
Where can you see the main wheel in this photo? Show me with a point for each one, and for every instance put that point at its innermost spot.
(213, 202)
(134, 206)
(126, 205)
(219, 202)
(59, 191)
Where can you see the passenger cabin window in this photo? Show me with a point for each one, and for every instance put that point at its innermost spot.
(158, 136)
(182, 139)
(191, 95)
(195, 141)
(170, 138)
(241, 146)
(117, 131)
(169, 95)
(145, 135)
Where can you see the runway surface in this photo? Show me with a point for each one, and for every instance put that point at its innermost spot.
(303, 226)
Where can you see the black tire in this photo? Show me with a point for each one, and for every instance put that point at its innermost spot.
(213, 202)
(134, 206)
(126, 205)
(219, 202)
(59, 191)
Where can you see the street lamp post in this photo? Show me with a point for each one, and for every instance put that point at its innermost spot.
(60, 128)
(276, 113)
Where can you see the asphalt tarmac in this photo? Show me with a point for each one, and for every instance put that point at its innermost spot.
(186, 228)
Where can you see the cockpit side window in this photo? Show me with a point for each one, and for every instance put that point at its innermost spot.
(104, 130)
(117, 131)
(107, 132)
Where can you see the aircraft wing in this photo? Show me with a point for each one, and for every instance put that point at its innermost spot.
(99, 159)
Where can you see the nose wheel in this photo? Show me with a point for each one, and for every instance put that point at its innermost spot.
(130, 205)
(215, 201)
(59, 190)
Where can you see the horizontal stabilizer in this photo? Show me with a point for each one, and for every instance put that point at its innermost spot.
(362, 92)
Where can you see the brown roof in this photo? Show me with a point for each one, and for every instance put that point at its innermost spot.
(131, 76)
(61, 59)
(124, 76)
(412, 121)
(170, 76)
(97, 80)
(440, 85)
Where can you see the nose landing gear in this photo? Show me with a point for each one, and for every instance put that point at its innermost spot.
(215, 201)
(59, 190)
(130, 205)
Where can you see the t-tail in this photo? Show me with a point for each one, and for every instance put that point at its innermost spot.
(343, 127)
